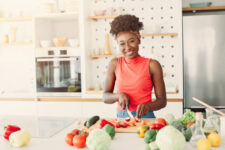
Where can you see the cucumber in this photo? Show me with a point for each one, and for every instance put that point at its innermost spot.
(92, 121)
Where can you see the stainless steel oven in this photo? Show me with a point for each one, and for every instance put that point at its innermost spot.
(58, 74)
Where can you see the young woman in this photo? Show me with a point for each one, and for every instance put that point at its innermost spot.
(133, 75)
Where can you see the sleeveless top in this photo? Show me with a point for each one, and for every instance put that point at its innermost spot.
(133, 78)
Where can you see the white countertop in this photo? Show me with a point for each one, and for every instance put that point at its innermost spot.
(121, 141)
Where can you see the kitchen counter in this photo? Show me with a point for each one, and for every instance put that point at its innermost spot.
(121, 141)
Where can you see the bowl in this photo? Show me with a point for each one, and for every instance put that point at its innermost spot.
(99, 12)
(45, 43)
(59, 42)
(73, 42)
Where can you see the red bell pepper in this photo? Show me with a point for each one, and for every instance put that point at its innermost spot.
(124, 124)
(104, 122)
(156, 126)
(9, 129)
(189, 124)
(12, 128)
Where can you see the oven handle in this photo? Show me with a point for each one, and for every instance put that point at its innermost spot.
(54, 59)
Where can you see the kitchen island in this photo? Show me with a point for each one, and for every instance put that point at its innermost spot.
(121, 141)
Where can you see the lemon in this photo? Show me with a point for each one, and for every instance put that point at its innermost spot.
(214, 139)
(203, 144)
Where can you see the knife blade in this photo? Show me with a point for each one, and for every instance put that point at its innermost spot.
(129, 113)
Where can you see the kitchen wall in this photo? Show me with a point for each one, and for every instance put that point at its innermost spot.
(214, 2)
(85, 109)
(158, 17)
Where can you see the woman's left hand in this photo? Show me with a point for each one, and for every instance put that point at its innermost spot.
(142, 110)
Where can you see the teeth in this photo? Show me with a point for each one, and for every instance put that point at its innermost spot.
(129, 53)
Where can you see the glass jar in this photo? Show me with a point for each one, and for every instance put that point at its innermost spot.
(212, 123)
(197, 130)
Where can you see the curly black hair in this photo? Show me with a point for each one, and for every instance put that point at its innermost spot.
(124, 23)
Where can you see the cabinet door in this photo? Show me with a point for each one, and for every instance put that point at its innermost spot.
(17, 72)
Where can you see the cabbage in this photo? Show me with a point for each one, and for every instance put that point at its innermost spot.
(19, 138)
(98, 140)
(153, 146)
(169, 138)
(169, 118)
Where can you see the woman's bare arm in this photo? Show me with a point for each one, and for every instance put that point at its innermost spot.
(159, 88)
(108, 95)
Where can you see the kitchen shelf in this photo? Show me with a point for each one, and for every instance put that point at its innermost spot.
(15, 19)
(100, 92)
(58, 15)
(189, 9)
(102, 56)
(57, 48)
(158, 34)
(95, 18)
(16, 44)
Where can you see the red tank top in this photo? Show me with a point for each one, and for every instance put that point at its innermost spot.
(133, 78)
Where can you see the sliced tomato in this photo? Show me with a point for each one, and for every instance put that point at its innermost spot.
(127, 119)
(137, 119)
(117, 125)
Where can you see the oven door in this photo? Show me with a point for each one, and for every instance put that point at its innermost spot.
(58, 75)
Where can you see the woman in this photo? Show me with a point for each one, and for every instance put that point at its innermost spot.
(133, 75)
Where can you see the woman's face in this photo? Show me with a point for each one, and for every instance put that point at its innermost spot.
(128, 44)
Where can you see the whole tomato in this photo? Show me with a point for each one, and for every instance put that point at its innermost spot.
(79, 141)
(161, 120)
(69, 139)
(75, 131)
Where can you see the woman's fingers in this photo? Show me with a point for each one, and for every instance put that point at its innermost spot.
(142, 110)
(139, 110)
(124, 100)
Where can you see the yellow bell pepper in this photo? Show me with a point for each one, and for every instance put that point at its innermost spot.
(141, 131)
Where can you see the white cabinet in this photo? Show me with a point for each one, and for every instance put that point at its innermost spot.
(52, 26)
(17, 77)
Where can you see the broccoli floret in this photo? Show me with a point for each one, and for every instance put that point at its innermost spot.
(178, 125)
(188, 116)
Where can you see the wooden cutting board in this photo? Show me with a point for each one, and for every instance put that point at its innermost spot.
(124, 130)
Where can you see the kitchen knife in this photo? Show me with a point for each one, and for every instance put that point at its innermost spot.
(129, 113)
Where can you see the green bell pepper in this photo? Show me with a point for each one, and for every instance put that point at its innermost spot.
(150, 136)
(110, 130)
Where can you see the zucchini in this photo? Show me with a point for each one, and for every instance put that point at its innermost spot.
(92, 121)
(85, 123)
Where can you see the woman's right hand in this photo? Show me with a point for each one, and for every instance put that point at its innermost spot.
(123, 100)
